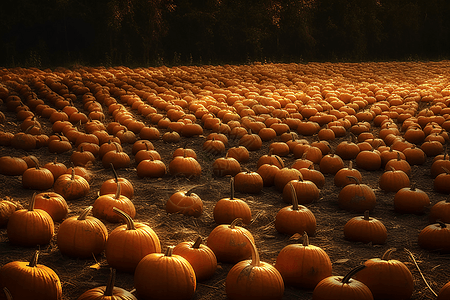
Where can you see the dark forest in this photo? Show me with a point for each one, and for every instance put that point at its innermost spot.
(49, 33)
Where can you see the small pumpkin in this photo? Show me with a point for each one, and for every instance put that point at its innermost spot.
(54, 204)
(110, 186)
(296, 218)
(411, 200)
(365, 229)
(306, 191)
(229, 243)
(201, 257)
(393, 180)
(435, 237)
(254, 279)
(12, 166)
(440, 211)
(357, 197)
(248, 182)
(186, 203)
(228, 209)
(37, 178)
(224, 166)
(341, 178)
(185, 166)
(71, 186)
(165, 276)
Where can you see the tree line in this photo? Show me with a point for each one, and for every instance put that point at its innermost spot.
(182, 32)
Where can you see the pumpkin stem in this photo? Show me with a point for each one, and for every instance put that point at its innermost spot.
(128, 219)
(387, 254)
(116, 178)
(7, 293)
(110, 285)
(169, 251)
(118, 190)
(232, 188)
(280, 161)
(255, 255)
(350, 165)
(32, 201)
(235, 221)
(34, 259)
(197, 243)
(73, 174)
(305, 241)
(354, 178)
(294, 197)
(442, 224)
(366, 215)
(84, 213)
(349, 275)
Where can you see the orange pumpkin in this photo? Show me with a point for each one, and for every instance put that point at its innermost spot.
(186, 203)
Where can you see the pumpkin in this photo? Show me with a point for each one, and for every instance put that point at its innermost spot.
(110, 186)
(239, 153)
(296, 218)
(37, 178)
(82, 236)
(59, 145)
(185, 152)
(356, 197)
(146, 154)
(12, 166)
(393, 180)
(228, 209)
(30, 280)
(398, 164)
(214, 146)
(283, 176)
(368, 160)
(313, 175)
(224, 166)
(270, 158)
(56, 168)
(127, 244)
(331, 164)
(365, 229)
(415, 155)
(435, 237)
(303, 265)
(347, 150)
(436, 167)
(387, 279)
(186, 203)
(248, 182)
(440, 211)
(185, 166)
(117, 157)
(267, 173)
(53, 203)
(164, 276)
(279, 148)
(103, 207)
(306, 191)
(251, 141)
(71, 186)
(342, 288)
(254, 279)
(109, 291)
(201, 257)
(444, 292)
(153, 168)
(341, 178)
(7, 208)
(411, 200)
(109, 146)
(228, 242)
(442, 182)
(30, 227)
(82, 157)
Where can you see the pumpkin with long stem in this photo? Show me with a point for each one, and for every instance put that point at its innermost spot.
(254, 279)
(342, 288)
(365, 229)
(110, 186)
(127, 244)
(165, 276)
(229, 243)
(201, 257)
(296, 218)
(82, 236)
(30, 280)
(30, 227)
(303, 265)
(108, 292)
(387, 279)
(228, 209)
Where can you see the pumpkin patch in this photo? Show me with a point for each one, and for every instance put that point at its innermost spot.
(303, 147)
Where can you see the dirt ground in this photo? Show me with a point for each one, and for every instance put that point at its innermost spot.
(151, 195)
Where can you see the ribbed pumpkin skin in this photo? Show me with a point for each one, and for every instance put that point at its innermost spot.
(161, 277)
(227, 209)
(25, 282)
(188, 204)
(98, 293)
(387, 279)
(359, 229)
(435, 237)
(103, 207)
(332, 288)
(82, 238)
(303, 266)
(357, 198)
(71, 186)
(125, 248)
(202, 259)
